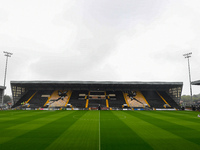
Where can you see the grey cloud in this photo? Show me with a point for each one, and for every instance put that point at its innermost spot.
(3, 15)
(85, 57)
(88, 52)
(121, 13)
(75, 68)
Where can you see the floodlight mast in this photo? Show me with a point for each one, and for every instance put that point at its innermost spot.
(188, 55)
(7, 54)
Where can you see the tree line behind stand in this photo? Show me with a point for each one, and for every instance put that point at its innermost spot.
(186, 100)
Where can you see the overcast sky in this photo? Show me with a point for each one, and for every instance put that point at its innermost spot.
(105, 40)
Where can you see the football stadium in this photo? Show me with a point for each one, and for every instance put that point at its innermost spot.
(98, 115)
(99, 75)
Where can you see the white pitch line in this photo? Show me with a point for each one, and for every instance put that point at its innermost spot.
(99, 133)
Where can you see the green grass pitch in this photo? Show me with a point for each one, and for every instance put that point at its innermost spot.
(95, 130)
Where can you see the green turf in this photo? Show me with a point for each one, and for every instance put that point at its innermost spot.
(96, 130)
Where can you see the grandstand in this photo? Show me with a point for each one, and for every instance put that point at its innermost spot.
(2, 88)
(197, 82)
(96, 94)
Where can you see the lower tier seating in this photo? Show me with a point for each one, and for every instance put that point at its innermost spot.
(119, 101)
(153, 99)
(24, 98)
(97, 102)
(56, 100)
(168, 98)
(137, 101)
(75, 101)
(78, 99)
(40, 98)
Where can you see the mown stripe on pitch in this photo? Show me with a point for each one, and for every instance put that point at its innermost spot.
(83, 134)
(9, 116)
(186, 112)
(19, 129)
(190, 116)
(41, 137)
(180, 119)
(23, 118)
(179, 130)
(155, 136)
(115, 134)
(10, 113)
